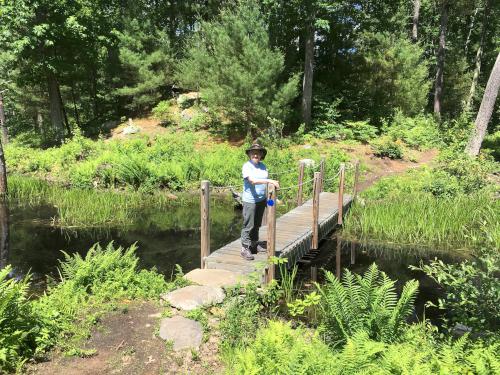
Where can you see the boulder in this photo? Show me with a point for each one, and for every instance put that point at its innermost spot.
(307, 162)
(182, 332)
(215, 277)
(131, 129)
(194, 296)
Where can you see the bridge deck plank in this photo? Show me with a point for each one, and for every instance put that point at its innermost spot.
(293, 236)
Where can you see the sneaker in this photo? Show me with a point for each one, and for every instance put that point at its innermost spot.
(262, 247)
(245, 253)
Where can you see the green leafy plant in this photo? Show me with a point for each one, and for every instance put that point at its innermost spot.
(472, 290)
(365, 303)
(278, 349)
(384, 147)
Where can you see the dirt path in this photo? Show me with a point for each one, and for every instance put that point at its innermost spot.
(126, 343)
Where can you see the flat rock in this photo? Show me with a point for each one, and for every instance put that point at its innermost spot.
(215, 277)
(184, 333)
(194, 296)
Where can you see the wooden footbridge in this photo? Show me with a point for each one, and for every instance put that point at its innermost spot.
(293, 235)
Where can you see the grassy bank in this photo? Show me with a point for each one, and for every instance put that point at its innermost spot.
(452, 205)
(65, 314)
(169, 161)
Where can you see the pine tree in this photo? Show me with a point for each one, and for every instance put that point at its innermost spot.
(147, 65)
(230, 61)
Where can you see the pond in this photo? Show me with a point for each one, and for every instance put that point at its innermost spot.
(172, 236)
(164, 237)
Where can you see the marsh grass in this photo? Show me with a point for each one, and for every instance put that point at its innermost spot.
(85, 207)
(461, 222)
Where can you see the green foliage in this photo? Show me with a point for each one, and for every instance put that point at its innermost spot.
(420, 132)
(386, 147)
(18, 327)
(416, 353)
(422, 219)
(326, 124)
(491, 145)
(394, 75)
(365, 303)
(163, 112)
(145, 56)
(241, 318)
(221, 62)
(472, 290)
(278, 349)
(67, 311)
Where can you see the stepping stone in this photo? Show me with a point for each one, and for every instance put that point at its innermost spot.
(184, 333)
(215, 277)
(194, 296)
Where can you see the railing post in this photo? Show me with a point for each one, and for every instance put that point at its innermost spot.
(353, 252)
(341, 193)
(356, 180)
(301, 181)
(271, 232)
(205, 220)
(322, 171)
(315, 226)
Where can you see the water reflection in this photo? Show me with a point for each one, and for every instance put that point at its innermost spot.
(164, 237)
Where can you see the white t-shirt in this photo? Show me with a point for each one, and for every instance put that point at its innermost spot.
(253, 193)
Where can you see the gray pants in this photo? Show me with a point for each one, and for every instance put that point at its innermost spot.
(252, 220)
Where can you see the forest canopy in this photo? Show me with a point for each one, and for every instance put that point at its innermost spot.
(80, 64)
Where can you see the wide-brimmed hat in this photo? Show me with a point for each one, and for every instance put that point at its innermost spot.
(257, 146)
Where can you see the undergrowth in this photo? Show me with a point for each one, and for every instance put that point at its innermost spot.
(65, 314)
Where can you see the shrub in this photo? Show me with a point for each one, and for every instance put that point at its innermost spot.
(472, 290)
(163, 112)
(419, 132)
(67, 311)
(278, 349)
(385, 147)
(471, 173)
(365, 303)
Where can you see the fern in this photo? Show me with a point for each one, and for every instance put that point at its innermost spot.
(366, 303)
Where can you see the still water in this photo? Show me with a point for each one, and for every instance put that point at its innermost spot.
(30, 243)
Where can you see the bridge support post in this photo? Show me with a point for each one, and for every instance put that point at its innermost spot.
(341, 193)
(356, 180)
(338, 259)
(271, 232)
(205, 220)
(315, 226)
(322, 171)
(301, 181)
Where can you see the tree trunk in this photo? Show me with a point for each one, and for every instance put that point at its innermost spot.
(416, 14)
(3, 125)
(39, 121)
(56, 112)
(4, 233)
(438, 86)
(308, 76)
(471, 28)
(479, 55)
(65, 116)
(485, 111)
(75, 108)
(3, 174)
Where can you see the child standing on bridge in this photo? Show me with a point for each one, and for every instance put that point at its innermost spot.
(255, 178)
